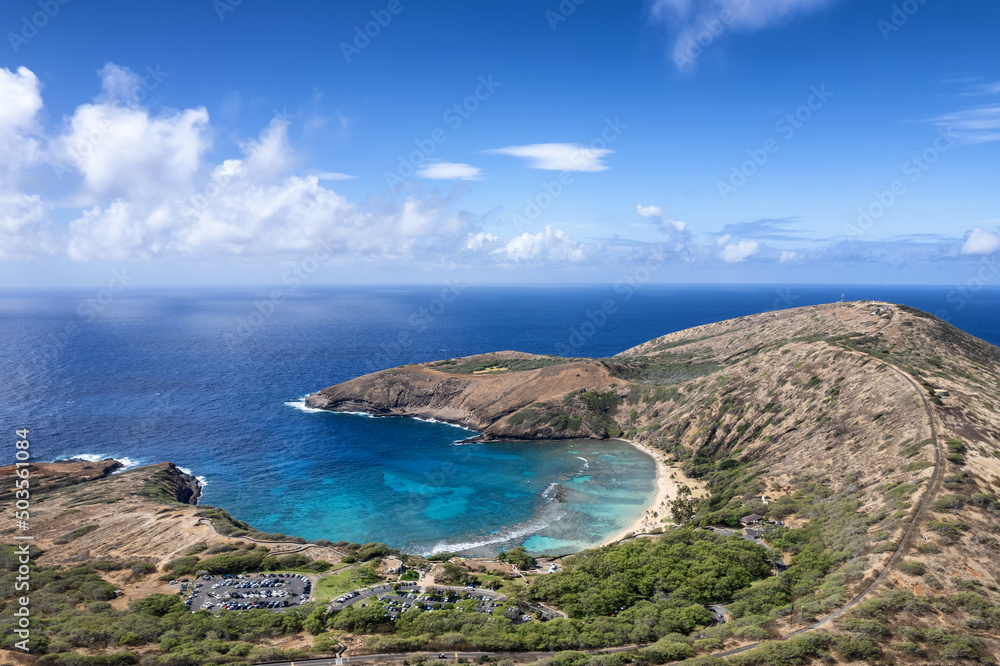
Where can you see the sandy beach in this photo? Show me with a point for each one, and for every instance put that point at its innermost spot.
(666, 491)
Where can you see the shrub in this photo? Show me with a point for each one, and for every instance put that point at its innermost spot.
(950, 531)
(782, 653)
(856, 648)
(319, 566)
(907, 647)
(912, 568)
(961, 646)
(666, 650)
(182, 566)
(293, 561)
(325, 642)
(948, 504)
(519, 557)
(107, 565)
(140, 569)
(75, 534)
(236, 562)
(197, 548)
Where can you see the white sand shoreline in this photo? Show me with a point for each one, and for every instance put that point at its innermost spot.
(666, 491)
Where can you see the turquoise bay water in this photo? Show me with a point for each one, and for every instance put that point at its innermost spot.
(169, 375)
(438, 493)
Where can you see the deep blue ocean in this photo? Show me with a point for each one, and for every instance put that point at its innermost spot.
(210, 379)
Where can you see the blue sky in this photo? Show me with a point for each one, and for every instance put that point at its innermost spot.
(225, 142)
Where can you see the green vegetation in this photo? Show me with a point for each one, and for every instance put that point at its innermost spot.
(161, 486)
(229, 526)
(914, 448)
(912, 568)
(691, 566)
(240, 557)
(948, 504)
(661, 584)
(460, 367)
(70, 612)
(538, 416)
(332, 586)
(517, 556)
(601, 410)
(75, 534)
(956, 451)
(796, 650)
(660, 370)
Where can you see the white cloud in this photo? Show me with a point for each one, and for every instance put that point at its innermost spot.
(675, 228)
(269, 156)
(120, 84)
(980, 241)
(331, 175)
(483, 240)
(547, 246)
(558, 156)
(449, 171)
(722, 240)
(23, 232)
(20, 98)
(741, 251)
(788, 256)
(126, 151)
(243, 209)
(689, 21)
(20, 102)
(980, 124)
(23, 217)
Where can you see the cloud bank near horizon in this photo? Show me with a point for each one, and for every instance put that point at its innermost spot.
(126, 183)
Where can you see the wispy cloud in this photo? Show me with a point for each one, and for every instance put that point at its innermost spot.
(976, 124)
(695, 24)
(450, 171)
(766, 229)
(980, 124)
(331, 175)
(558, 156)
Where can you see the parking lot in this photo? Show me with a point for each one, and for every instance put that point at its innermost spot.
(411, 596)
(267, 591)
